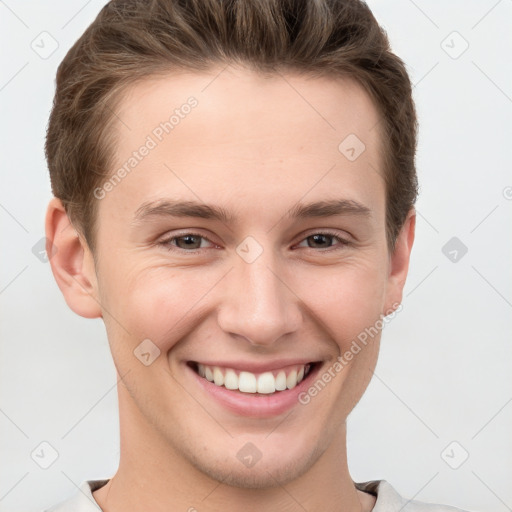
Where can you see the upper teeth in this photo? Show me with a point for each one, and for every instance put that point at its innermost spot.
(247, 382)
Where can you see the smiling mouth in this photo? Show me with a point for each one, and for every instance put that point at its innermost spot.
(266, 383)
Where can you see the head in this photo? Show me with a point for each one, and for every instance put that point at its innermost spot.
(252, 110)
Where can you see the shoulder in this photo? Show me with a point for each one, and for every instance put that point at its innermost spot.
(82, 499)
(389, 500)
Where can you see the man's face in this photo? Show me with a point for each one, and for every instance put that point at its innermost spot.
(262, 291)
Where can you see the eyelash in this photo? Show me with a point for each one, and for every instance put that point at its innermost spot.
(166, 244)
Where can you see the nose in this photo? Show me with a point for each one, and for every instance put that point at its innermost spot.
(260, 303)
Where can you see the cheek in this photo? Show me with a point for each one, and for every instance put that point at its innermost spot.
(351, 317)
(347, 300)
(164, 304)
(156, 303)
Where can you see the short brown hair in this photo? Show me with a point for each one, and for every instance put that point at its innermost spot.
(132, 39)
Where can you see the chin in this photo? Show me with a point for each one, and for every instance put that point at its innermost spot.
(272, 470)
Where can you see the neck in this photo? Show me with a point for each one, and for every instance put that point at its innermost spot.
(153, 475)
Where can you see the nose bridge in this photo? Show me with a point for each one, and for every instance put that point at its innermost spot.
(260, 305)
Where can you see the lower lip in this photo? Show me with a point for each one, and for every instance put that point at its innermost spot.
(255, 405)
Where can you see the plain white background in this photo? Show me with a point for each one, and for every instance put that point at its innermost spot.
(436, 419)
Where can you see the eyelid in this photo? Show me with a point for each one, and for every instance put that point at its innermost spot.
(343, 241)
(166, 242)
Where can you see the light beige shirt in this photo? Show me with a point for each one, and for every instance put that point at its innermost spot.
(388, 500)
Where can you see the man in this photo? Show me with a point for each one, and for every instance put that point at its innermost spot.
(234, 196)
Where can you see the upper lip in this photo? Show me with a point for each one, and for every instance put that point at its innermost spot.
(255, 367)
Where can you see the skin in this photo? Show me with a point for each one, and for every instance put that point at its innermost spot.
(255, 146)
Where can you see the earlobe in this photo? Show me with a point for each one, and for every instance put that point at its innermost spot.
(71, 262)
(399, 263)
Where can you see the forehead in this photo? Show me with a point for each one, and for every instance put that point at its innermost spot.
(238, 97)
(238, 133)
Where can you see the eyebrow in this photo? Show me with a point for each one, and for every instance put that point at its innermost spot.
(166, 208)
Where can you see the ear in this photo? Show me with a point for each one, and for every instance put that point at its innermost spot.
(71, 262)
(399, 263)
